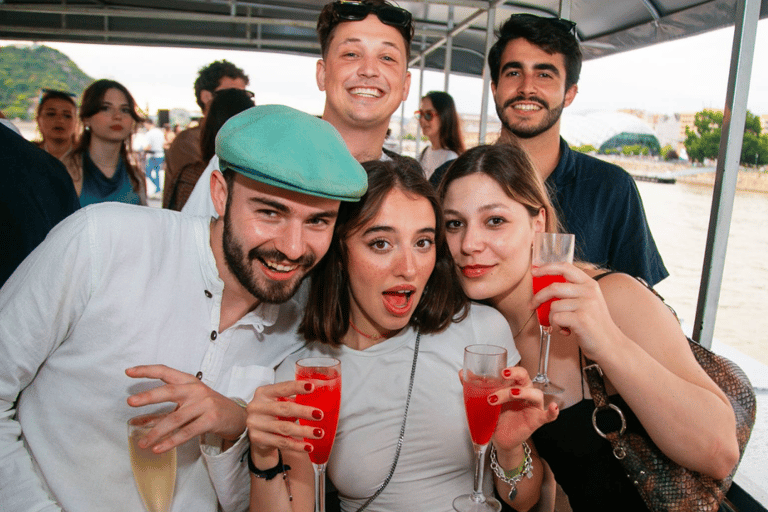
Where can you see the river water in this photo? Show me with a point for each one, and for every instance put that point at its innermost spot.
(679, 218)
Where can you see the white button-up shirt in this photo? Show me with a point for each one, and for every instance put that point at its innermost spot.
(114, 286)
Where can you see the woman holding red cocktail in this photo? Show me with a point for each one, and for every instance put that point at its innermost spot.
(386, 302)
(494, 205)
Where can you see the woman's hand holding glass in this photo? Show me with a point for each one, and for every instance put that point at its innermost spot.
(272, 423)
(581, 310)
(522, 409)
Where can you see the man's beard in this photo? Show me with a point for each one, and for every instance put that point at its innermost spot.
(526, 131)
(240, 264)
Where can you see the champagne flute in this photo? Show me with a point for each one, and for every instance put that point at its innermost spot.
(325, 374)
(481, 377)
(155, 473)
(548, 248)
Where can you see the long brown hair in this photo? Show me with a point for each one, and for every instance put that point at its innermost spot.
(326, 317)
(93, 98)
(508, 165)
(450, 124)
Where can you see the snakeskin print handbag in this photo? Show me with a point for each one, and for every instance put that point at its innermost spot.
(663, 484)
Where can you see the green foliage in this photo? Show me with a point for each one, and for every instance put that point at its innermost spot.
(24, 70)
(704, 142)
(752, 124)
(754, 150)
(587, 148)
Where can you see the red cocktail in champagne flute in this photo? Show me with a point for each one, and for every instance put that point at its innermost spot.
(539, 283)
(548, 248)
(481, 376)
(325, 374)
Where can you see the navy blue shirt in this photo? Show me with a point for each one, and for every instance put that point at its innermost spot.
(599, 203)
(36, 192)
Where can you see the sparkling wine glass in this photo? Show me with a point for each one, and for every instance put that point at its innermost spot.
(483, 365)
(325, 374)
(548, 248)
(155, 473)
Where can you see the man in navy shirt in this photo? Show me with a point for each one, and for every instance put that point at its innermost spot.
(535, 68)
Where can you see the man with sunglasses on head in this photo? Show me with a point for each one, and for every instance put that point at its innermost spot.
(535, 66)
(183, 160)
(364, 71)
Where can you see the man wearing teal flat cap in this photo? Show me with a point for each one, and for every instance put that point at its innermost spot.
(124, 309)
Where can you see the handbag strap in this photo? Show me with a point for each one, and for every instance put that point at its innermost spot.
(593, 374)
(402, 429)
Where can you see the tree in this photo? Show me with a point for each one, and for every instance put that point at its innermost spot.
(24, 71)
(704, 142)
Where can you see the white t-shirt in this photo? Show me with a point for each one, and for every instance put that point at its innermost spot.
(436, 461)
(155, 141)
(431, 159)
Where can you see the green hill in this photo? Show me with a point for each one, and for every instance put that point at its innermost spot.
(24, 70)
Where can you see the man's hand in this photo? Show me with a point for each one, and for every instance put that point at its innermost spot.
(199, 409)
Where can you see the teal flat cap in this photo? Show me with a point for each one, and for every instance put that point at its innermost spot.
(289, 149)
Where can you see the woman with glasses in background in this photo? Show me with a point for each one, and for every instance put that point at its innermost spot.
(440, 123)
(57, 122)
(99, 164)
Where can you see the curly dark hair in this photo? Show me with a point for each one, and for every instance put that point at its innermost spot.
(208, 77)
(550, 36)
(326, 317)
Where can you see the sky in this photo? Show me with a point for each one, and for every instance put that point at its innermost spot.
(686, 75)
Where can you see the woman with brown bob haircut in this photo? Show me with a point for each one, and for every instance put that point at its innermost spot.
(385, 303)
(326, 318)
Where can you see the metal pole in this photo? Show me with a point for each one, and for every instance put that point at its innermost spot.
(421, 81)
(734, 118)
(448, 50)
(486, 74)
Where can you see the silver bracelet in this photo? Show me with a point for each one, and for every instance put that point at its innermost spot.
(513, 476)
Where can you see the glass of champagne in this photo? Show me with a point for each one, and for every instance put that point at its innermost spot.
(325, 374)
(548, 248)
(483, 365)
(155, 473)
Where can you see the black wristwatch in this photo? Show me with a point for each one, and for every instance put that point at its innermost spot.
(267, 474)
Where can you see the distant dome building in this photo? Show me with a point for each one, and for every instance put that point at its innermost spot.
(608, 131)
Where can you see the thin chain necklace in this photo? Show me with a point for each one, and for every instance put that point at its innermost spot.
(402, 427)
(369, 336)
(521, 329)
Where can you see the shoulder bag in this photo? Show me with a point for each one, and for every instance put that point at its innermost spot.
(663, 484)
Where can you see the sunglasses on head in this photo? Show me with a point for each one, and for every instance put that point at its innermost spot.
(426, 114)
(561, 23)
(357, 11)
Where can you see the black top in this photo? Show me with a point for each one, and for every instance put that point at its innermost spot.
(583, 462)
(599, 203)
(36, 192)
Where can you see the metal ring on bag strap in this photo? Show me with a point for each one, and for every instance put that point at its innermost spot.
(618, 451)
(615, 408)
